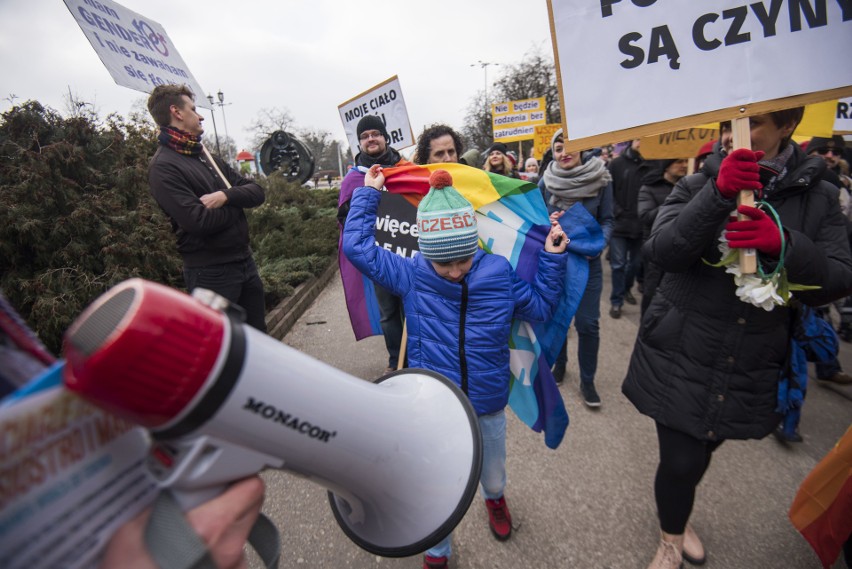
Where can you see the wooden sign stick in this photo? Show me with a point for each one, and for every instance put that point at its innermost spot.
(742, 139)
(403, 346)
(215, 166)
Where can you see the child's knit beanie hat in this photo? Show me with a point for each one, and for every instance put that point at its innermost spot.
(446, 222)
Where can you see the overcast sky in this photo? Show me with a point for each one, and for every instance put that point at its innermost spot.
(305, 56)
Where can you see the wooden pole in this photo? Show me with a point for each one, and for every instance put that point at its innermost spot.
(742, 139)
(215, 166)
(403, 346)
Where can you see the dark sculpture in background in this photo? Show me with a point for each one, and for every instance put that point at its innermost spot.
(286, 153)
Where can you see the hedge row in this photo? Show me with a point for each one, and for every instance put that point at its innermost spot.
(76, 218)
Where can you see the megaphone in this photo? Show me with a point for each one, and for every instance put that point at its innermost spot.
(401, 458)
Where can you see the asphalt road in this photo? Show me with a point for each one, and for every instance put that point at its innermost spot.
(588, 504)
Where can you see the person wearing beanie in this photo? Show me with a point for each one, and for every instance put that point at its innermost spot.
(832, 151)
(530, 173)
(498, 162)
(374, 145)
(568, 182)
(513, 158)
(656, 187)
(459, 304)
(706, 362)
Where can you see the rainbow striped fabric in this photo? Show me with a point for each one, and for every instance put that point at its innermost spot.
(513, 222)
(822, 506)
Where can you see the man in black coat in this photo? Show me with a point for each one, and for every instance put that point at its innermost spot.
(375, 148)
(206, 215)
(625, 246)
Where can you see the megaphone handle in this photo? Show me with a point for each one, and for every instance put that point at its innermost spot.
(189, 499)
(197, 469)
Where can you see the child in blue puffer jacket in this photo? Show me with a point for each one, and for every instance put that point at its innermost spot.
(459, 304)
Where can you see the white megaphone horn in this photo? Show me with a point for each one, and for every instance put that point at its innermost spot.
(401, 458)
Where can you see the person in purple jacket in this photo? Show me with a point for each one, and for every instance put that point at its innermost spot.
(459, 303)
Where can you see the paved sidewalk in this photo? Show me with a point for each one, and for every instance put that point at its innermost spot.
(589, 504)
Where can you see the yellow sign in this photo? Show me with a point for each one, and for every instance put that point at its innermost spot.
(516, 120)
(818, 120)
(684, 143)
(541, 139)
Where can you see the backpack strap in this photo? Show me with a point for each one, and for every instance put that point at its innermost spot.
(173, 543)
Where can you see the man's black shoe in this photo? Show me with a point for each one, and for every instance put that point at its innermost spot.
(629, 298)
(559, 372)
(615, 311)
(590, 394)
(785, 437)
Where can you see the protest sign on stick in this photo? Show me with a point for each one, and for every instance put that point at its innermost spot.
(843, 121)
(741, 130)
(541, 139)
(661, 69)
(136, 51)
(818, 120)
(517, 120)
(384, 100)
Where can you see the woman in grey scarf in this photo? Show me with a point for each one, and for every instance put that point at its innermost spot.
(569, 181)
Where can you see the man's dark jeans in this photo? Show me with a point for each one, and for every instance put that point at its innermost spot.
(238, 282)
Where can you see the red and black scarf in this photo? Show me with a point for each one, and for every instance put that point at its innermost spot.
(180, 141)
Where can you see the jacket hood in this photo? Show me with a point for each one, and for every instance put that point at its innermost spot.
(654, 171)
(804, 170)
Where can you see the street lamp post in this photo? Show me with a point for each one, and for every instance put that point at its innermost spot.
(222, 104)
(484, 65)
(215, 131)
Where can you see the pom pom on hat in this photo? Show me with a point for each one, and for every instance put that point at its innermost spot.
(440, 179)
(446, 222)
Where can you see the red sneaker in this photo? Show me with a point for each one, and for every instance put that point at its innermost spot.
(430, 562)
(499, 518)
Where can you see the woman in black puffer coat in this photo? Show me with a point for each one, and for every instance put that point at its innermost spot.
(706, 365)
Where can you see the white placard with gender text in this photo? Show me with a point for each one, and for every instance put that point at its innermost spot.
(136, 51)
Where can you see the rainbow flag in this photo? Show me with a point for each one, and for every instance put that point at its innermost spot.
(513, 222)
(822, 509)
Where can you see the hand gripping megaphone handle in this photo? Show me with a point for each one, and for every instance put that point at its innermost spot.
(401, 458)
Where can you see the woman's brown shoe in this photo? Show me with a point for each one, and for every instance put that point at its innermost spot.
(668, 557)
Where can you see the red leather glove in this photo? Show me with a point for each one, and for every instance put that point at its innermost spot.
(760, 232)
(739, 171)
